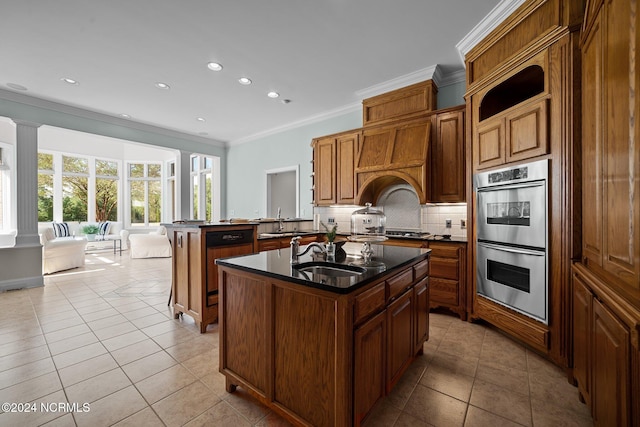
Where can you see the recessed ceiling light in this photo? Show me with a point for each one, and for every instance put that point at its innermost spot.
(16, 86)
(161, 85)
(244, 81)
(69, 81)
(125, 116)
(285, 101)
(273, 94)
(214, 66)
(201, 119)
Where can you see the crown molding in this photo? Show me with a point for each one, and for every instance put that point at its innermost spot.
(304, 122)
(93, 115)
(458, 76)
(488, 24)
(400, 82)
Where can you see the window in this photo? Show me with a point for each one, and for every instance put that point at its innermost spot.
(75, 188)
(202, 187)
(145, 193)
(45, 187)
(106, 190)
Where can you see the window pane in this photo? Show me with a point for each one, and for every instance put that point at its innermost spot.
(137, 202)
(195, 188)
(1, 201)
(155, 203)
(172, 191)
(136, 170)
(194, 163)
(75, 164)
(106, 199)
(106, 168)
(207, 195)
(74, 198)
(172, 169)
(207, 162)
(45, 162)
(154, 171)
(45, 197)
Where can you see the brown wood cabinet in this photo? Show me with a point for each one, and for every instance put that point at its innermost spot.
(333, 162)
(194, 272)
(448, 156)
(448, 277)
(522, 84)
(317, 357)
(606, 279)
(284, 242)
(507, 129)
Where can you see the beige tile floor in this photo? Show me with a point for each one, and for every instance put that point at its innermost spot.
(103, 335)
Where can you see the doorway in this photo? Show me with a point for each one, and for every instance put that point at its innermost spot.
(283, 191)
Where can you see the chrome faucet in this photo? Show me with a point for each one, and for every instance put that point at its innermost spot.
(295, 247)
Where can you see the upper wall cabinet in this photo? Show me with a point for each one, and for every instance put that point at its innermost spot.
(448, 156)
(511, 116)
(333, 160)
(400, 104)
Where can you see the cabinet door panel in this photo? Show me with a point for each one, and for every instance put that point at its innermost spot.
(582, 308)
(488, 143)
(610, 369)
(399, 337)
(444, 291)
(370, 358)
(444, 268)
(527, 131)
(325, 171)
(447, 161)
(421, 297)
(346, 186)
(592, 147)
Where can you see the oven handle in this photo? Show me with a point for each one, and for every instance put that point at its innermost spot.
(511, 249)
(511, 186)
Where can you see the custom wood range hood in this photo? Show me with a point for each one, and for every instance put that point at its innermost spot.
(395, 141)
(391, 155)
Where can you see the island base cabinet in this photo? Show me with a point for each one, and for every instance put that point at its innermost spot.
(318, 357)
(370, 359)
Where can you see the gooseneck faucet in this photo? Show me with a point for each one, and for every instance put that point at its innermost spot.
(295, 247)
(280, 221)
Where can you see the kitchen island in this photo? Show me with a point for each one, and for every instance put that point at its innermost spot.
(321, 343)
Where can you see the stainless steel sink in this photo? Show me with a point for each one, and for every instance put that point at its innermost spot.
(329, 269)
(283, 234)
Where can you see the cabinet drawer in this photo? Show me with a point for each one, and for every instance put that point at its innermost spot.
(444, 268)
(421, 269)
(444, 250)
(369, 302)
(399, 283)
(444, 291)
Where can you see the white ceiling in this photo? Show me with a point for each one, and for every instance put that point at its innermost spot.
(320, 54)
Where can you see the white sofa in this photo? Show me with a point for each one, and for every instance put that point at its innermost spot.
(150, 245)
(63, 253)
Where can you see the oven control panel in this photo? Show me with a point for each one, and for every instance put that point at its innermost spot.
(509, 175)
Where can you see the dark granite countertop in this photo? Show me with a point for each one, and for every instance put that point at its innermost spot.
(276, 264)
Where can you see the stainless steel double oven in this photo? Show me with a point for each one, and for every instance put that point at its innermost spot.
(512, 237)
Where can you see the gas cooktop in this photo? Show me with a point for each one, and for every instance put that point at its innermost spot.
(417, 234)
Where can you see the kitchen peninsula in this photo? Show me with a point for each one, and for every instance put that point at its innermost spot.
(320, 343)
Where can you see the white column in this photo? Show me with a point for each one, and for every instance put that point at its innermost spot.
(27, 183)
(183, 175)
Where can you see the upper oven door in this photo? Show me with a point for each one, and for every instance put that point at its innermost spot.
(514, 214)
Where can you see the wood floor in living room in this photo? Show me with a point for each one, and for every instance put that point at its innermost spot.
(103, 335)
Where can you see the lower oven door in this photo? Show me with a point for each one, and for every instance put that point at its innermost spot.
(514, 277)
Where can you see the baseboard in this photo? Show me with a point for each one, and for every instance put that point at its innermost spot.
(21, 283)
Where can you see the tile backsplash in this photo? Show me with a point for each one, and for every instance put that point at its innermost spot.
(433, 218)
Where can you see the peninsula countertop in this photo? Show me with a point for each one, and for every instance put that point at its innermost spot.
(276, 264)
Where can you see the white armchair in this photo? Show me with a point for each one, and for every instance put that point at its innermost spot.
(61, 253)
(150, 245)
